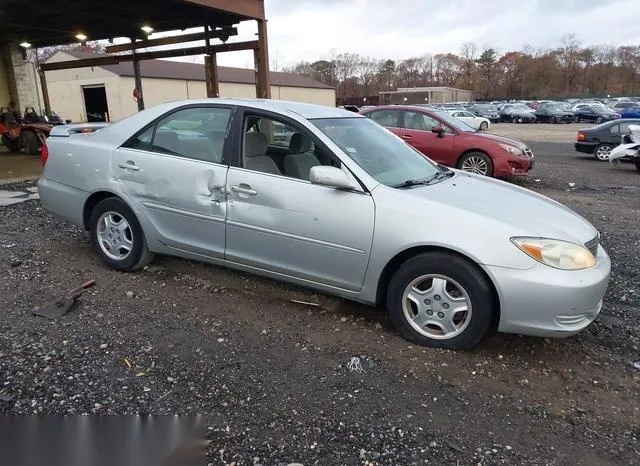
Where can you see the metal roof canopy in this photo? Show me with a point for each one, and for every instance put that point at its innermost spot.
(58, 22)
(43, 23)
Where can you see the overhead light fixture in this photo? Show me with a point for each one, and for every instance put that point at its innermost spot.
(147, 29)
(81, 37)
(25, 45)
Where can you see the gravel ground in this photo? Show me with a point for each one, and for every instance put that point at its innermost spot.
(541, 132)
(271, 375)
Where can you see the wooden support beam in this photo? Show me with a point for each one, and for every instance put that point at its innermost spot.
(222, 34)
(138, 80)
(261, 59)
(211, 75)
(45, 92)
(115, 59)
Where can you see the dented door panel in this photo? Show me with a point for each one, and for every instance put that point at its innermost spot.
(303, 230)
(182, 200)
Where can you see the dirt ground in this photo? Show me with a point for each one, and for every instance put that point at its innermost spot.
(271, 375)
(540, 132)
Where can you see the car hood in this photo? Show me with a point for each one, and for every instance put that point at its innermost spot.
(521, 211)
(501, 140)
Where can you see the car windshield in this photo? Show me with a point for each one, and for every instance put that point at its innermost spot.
(379, 152)
(454, 122)
(601, 108)
(485, 108)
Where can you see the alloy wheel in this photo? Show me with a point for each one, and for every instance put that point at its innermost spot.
(115, 236)
(437, 306)
(603, 152)
(475, 164)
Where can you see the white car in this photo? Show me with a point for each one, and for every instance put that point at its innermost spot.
(476, 122)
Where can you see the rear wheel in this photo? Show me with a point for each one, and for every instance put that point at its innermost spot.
(598, 120)
(553, 120)
(12, 144)
(441, 300)
(576, 119)
(638, 165)
(476, 162)
(484, 126)
(117, 237)
(602, 152)
(31, 143)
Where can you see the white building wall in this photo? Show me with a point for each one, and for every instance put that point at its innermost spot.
(67, 99)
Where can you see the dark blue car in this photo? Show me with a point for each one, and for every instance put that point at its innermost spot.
(630, 112)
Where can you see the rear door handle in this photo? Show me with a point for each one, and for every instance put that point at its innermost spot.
(243, 190)
(129, 165)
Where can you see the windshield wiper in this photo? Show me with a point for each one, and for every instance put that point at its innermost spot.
(411, 182)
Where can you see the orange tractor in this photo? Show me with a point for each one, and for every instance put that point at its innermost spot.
(28, 132)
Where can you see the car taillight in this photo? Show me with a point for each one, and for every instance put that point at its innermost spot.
(44, 155)
(580, 136)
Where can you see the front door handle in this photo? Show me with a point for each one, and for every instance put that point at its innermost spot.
(129, 165)
(243, 190)
(406, 136)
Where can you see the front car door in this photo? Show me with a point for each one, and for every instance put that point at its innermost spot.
(174, 173)
(416, 130)
(280, 222)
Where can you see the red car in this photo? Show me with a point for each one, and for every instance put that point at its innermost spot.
(449, 141)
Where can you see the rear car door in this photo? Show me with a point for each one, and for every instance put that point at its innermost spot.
(173, 173)
(416, 130)
(390, 119)
(280, 222)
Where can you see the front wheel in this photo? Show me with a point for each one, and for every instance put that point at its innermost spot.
(441, 300)
(31, 143)
(12, 144)
(476, 162)
(553, 120)
(576, 119)
(598, 120)
(117, 237)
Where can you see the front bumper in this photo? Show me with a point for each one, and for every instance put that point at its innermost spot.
(510, 165)
(547, 302)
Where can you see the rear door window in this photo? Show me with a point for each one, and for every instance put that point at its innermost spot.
(388, 118)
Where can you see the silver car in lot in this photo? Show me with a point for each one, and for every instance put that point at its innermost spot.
(344, 207)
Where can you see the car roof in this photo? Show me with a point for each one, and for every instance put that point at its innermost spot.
(308, 111)
(608, 124)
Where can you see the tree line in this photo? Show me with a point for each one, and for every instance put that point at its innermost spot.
(569, 70)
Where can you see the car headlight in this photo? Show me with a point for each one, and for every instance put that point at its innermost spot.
(511, 149)
(556, 253)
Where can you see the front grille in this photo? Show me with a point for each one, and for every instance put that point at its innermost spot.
(592, 246)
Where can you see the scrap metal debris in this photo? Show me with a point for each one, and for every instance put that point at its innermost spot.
(61, 306)
(354, 365)
(306, 303)
(637, 365)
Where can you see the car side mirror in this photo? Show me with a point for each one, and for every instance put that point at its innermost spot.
(439, 130)
(330, 176)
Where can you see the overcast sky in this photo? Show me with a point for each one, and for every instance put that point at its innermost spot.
(310, 29)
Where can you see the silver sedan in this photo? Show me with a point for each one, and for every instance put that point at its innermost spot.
(340, 205)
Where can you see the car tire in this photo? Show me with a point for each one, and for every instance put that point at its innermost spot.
(598, 120)
(423, 293)
(30, 143)
(553, 120)
(484, 126)
(12, 144)
(114, 228)
(476, 162)
(576, 119)
(602, 152)
(637, 165)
